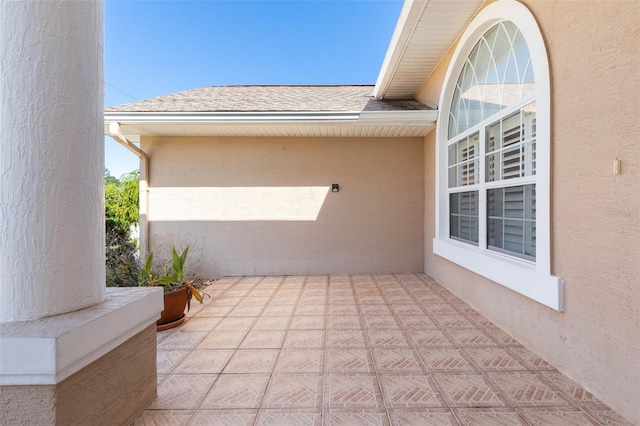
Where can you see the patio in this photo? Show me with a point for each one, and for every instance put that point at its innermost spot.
(354, 350)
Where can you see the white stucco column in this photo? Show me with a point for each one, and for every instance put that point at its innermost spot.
(51, 158)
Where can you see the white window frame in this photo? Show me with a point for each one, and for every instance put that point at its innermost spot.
(532, 279)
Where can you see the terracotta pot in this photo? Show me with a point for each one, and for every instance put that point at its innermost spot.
(175, 302)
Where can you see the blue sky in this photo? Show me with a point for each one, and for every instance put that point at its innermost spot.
(153, 48)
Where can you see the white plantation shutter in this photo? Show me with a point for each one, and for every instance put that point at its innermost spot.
(511, 220)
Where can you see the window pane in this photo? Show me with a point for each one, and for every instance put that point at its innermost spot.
(494, 233)
(463, 216)
(453, 173)
(496, 74)
(511, 146)
(453, 154)
(464, 164)
(511, 220)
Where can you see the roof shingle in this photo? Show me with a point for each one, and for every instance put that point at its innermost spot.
(252, 98)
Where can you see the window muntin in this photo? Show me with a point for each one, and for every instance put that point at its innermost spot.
(497, 73)
(493, 117)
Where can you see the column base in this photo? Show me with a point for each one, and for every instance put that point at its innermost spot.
(94, 366)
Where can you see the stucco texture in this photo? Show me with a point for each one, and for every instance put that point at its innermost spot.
(594, 52)
(249, 206)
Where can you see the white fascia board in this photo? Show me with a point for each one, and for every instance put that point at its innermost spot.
(366, 118)
(407, 22)
(418, 118)
(228, 117)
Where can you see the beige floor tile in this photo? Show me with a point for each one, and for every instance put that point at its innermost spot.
(223, 418)
(255, 300)
(204, 361)
(359, 349)
(346, 309)
(526, 389)
(235, 323)
(278, 310)
(182, 340)
(470, 337)
(370, 300)
(489, 417)
(304, 339)
(375, 310)
(297, 361)
(397, 360)
(271, 323)
(352, 391)
(556, 416)
(245, 310)
(606, 416)
(347, 339)
(200, 323)
(344, 322)
(226, 301)
(214, 311)
(571, 389)
(494, 359)
(501, 337)
(422, 416)
(236, 391)
(419, 322)
(429, 338)
(438, 309)
(408, 309)
(182, 391)
(289, 417)
(355, 417)
(222, 339)
(387, 322)
(294, 391)
(453, 321)
(307, 322)
(164, 418)
(252, 361)
(311, 309)
(263, 339)
(166, 360)
(446, 360)
(469, 390)
(532, 360)
(349, 361)
(388, 338)
(410, 390)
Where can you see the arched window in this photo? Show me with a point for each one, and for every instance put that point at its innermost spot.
(493, 151)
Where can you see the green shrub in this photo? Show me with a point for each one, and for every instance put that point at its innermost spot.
(121, 213)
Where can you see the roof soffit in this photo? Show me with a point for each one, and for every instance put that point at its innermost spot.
(425, 32)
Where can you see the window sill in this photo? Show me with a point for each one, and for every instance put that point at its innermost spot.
(519, 276)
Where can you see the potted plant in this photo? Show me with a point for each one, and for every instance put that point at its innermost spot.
(178, 291)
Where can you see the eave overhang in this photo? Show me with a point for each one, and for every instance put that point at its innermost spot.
(296, 124)
(425, 32)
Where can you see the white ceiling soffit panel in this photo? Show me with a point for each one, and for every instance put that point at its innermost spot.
(426, 30)
(336, 129)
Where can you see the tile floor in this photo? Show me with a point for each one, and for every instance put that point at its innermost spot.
(354, 350)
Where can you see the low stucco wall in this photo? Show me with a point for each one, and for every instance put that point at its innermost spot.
(250, 206)
(594, 59)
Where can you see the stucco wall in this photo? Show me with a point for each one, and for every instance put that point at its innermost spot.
(264, 205)
(594, 53)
